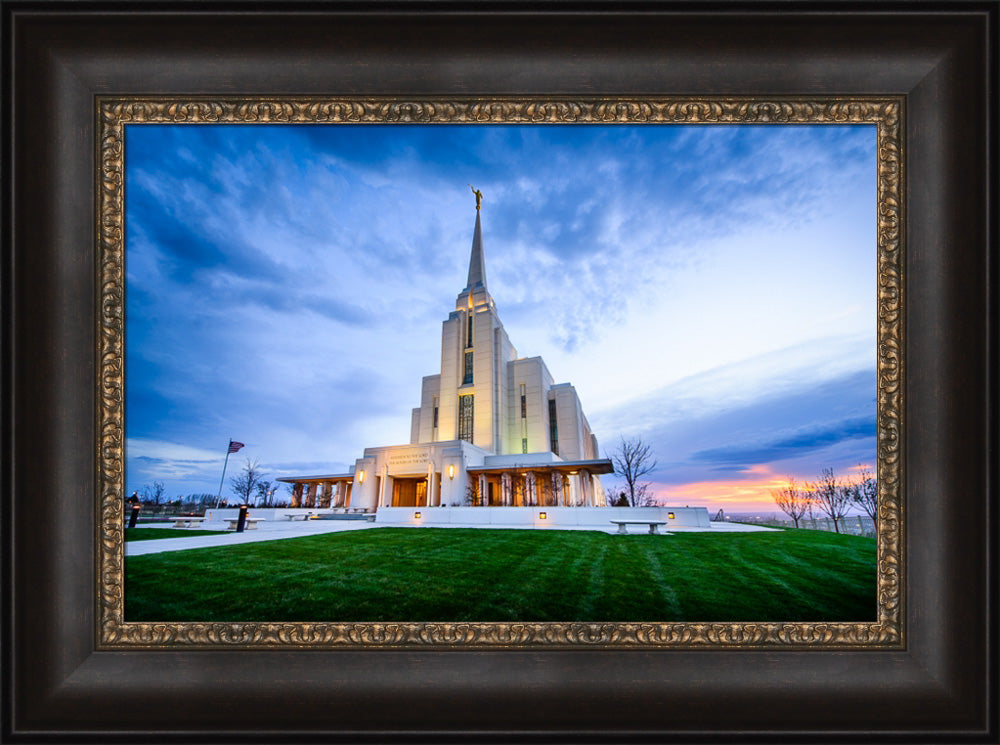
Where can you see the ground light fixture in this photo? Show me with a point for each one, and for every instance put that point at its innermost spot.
(542, 515)
(416, 515)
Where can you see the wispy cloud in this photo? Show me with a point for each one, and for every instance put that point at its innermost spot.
(801, 441)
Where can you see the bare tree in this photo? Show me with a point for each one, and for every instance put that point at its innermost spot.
(153, 494)
(245, 483)
(830, 496)
(791, 500)
(264, 489)
(543, 488)
(632, 460)
(864, 494)
(619, 499)
(471, 493)
(199, 501)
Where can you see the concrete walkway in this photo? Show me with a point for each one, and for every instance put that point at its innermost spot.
(264, 532)
(276, 531)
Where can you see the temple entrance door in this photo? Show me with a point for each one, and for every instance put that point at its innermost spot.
(409, 492)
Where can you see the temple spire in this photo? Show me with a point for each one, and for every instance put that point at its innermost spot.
(477, 267)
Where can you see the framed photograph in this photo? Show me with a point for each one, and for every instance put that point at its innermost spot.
(497, 441)
(182, 210)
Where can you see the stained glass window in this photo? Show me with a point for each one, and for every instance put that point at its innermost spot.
(467, 378)
(465, 418)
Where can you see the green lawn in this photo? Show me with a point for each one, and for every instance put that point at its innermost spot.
(152, 534)
(427, 574)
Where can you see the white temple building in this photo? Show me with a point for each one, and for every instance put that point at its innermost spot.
(492, 431)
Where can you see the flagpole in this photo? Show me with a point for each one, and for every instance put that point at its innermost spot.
(229, 447)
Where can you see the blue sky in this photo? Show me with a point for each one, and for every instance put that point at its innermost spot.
(708, 288)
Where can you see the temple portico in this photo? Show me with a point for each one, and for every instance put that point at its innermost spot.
(453, 474)
(557, 484)
(321, 492)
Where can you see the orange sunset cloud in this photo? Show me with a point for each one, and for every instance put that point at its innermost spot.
(752, 492)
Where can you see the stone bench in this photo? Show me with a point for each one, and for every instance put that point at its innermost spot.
(298, 516)
(251, 523)
(654, 525)
(187, 522)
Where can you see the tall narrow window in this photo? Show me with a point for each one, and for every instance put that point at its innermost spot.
(468, 332)
(435, 425)
(467, 378)
(465, 418)
(553, 427)
(524, 419)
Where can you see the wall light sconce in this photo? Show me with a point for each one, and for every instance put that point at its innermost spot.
(416, 515)
(670, 515)
(361, 476)
(542, 515)
(451, 471)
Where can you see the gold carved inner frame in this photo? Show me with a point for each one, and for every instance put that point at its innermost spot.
(113, 632)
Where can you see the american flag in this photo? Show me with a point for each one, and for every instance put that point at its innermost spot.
(234, 447)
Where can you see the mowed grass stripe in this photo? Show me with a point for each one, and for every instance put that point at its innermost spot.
(661, 576)
(428, 574)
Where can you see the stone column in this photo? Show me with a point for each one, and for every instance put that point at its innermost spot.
(530, 489)
(327, 495)
(382, 487)
(556, 479)
(431, 496)
(484, 490)
(296, 500)
(310, 500)
(507, 498)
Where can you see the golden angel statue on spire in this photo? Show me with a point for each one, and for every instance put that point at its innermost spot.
(479, 195)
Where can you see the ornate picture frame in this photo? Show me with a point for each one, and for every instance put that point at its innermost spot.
(74, 671)
(885, 113)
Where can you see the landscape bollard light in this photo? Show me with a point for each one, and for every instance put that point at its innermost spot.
(242, 522)
(135, 515)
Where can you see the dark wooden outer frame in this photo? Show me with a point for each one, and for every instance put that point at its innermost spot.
(59, 686)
